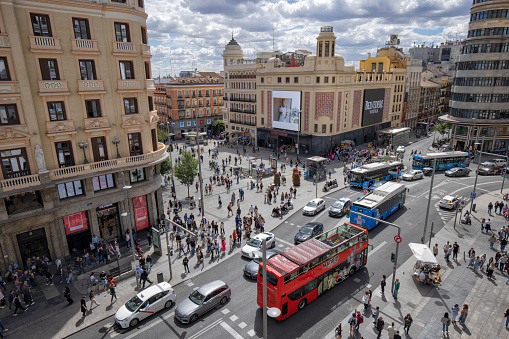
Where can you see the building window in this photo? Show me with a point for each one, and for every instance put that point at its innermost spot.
(41, 24)
(263, 121)
(333, 79)
(81, 29)
(14, 163)
(316, 128)
(330, 129)
(150, 103)
(262, 80)
(324, 128)
(103, 182)
(140, 4)
(87, 70)
(122, 32)
(137, 175)
(320, 49)
(131, 105)
(144, 39)
(317, 80)
(64, 154)
(287, 80)
(296, 80)
(326, 80)
(99, 149)
(126, 70)
(147, 70)
(70, 189)
(49, 69)
(93, 108)
(380, 67)
(5, 75)
(9, 114)
(279, 80)
(56, 110)
(134, 140)
(326, 48)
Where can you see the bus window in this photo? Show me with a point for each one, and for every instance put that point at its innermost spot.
(271, 278)
(299, 293)
(363, 237)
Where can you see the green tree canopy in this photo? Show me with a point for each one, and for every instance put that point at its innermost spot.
(186, 170)
(161, 134)
(165, 166)
(218, 126)
(443, 128)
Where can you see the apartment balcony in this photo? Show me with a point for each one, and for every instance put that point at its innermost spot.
(53, 86)
(242, 100)
(45, 44)
(225, 98)
(97, 123)
(62, 126)
(9, 87)
(128, 85)
(239, 110)
(246, 123)
(90, 86)
(83, 46)
(145, 50)
(91, 169)
(4, 41)
(124, 48)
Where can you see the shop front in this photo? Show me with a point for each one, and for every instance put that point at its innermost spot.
(77, 231)
(33, 244)
(108, 220)
(140, 212)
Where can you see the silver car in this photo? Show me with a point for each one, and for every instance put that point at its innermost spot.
(251, 269)
(202, 300)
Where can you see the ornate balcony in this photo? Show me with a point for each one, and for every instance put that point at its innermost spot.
(90, 86)
(9, 87)
(85, 46)
(45, 44)
(149, 84)
(124, 48)
(146, 50)
(53, 86)
(129, 85)
(97, 123)
(63, 126)
(19, 183)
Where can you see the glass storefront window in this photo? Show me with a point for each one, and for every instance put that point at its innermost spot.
(461, 130)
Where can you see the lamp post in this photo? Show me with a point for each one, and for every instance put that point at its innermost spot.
(115, 142)
(298, 136)
(126, 214)
(476, 173)
(200, 179)
(272, 312)
(429, 202)
(84, 145)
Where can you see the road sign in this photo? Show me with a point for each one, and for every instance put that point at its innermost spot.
(398, 181)
(365, 190)
(397, 239)
(462, 203)
(473, 195)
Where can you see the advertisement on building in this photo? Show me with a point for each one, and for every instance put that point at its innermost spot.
(373, 106)
(140, 212)
(75, 222)
(286, 107)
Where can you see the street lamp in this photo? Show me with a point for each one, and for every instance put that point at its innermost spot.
(272, 312)
(84, 145)
(200, 179)
(429, 202)
(298, 136)
(476, 173)
(126, 214)
(115, 142)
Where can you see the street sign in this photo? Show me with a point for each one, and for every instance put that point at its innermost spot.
(473, 195)
(365, 190)
(397, 239)
(462, 203)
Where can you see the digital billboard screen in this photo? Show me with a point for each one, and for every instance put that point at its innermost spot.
(373, 106)
(286, 110)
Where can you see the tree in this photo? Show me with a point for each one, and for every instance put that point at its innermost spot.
(165, 166)
(218, 126)
(186, 170)
(443, 128)
(161, 134)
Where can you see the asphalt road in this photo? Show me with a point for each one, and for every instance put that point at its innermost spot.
(241, 317)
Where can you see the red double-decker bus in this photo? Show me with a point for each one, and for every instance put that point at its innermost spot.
(301, 274)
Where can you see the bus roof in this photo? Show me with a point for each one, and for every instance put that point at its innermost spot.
(291, 259)
(375, 166)
(371, 200)
(443, 155)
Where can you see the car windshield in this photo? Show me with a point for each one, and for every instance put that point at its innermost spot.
(196, 297)
(447, 201)
(133, 304)
(311, 204)
(305, 230)
(337, 204)
(455, 169)
(410, 173)
(254, 243)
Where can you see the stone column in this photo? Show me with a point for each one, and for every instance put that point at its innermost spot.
(94, 223)
(152, 209)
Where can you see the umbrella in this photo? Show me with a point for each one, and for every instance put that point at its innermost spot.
(423, 253)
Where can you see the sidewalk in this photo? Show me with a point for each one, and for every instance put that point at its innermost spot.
(487, 300)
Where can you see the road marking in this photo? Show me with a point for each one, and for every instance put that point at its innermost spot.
(230, 330)
(242, 325)
(217, 322)
(377, 248)
(327, 197)
(225, 311)
(251, 333)
(280, 245)
(234, 318)
(190, 284)
(149, 325)
(285, 242)
(292, 224)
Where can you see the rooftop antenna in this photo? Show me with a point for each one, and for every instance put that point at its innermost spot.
(273, 48)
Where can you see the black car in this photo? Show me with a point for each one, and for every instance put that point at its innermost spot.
(251, 269)
(457, 172)
(493, 170)
(307, 232)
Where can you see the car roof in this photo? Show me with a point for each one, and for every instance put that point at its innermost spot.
(449, 197)
(211, 286)
(316, 200)
(270, 253)
(344, 199)
(312, 225)
(152, 290)
(263, 235)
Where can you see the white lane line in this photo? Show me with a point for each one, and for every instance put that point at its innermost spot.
(230, 330)
(242, 325)
(217, 322)
(327, 197)
(251, 333)
(149, 326)
(234, 318)
(225, 311)
(377, 248)
(285, 242)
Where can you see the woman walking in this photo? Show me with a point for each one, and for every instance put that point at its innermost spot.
(445, 323)
(463, 314)
(455, 312)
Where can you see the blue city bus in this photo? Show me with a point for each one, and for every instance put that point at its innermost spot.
(444, 160)
(380, 204)
(366, 175)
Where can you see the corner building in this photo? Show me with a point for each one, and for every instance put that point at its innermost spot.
(479, 105)
(76, 112)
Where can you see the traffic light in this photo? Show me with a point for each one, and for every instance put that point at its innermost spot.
(392, 257)
(348, 213)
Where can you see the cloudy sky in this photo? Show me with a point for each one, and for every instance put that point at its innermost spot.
(188, 34)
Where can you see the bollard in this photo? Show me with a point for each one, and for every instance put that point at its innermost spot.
(160, 277)
(473, 207)
(464, 258)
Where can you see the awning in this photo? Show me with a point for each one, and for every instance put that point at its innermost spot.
(423, 253)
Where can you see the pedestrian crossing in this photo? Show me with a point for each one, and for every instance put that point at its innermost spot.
(448, 215)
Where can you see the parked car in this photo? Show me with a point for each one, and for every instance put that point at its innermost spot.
(310, 230)
(491, 170)
(458, 172)
(203, 300)
(495, 162)
(413, 175)
(449, 202)
(255, 244)
(400, 149)
(339, 208)
(251, 268)
(144, 304)
(313, 207)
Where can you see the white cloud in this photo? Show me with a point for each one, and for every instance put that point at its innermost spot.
(188, 34)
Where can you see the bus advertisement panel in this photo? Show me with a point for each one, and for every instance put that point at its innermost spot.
(286, 110)
(369, 174)
(301, 274)
(444, 160)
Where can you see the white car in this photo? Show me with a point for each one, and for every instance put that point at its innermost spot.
(495, 162)
(449, 202)
(252, 248)
(400, 149)
(413, 175)
(144, 304)
(313, 207)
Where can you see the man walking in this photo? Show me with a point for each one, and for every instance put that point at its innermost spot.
(91, 296)
(380, 326)
(144, 278)
(408, 321)
(186, 265)
(113, 293)
(83, 306)
(67, 295)
(455, 250)
(17, 304)
(396, 289)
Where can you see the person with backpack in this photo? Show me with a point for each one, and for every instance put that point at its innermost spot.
(445, 323)
(353, 322)
(360, 320)
(407, 321)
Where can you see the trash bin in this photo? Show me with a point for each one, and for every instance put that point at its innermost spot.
(473, 207)
(160, 278)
